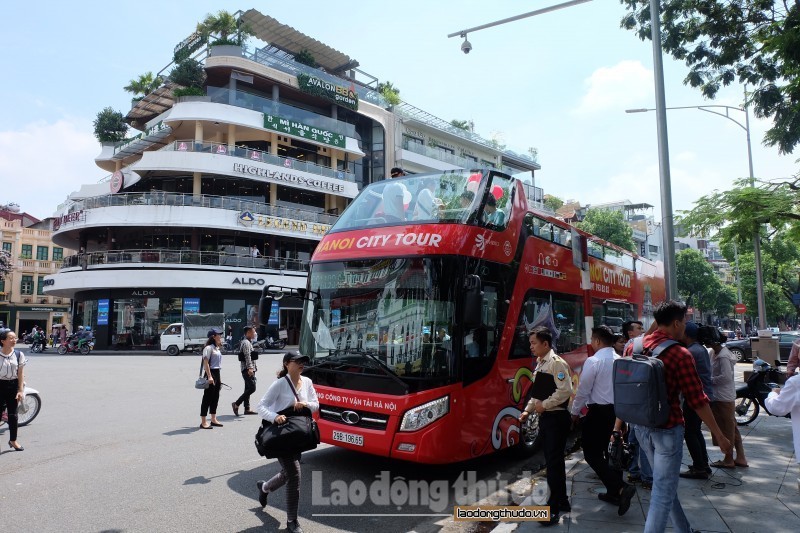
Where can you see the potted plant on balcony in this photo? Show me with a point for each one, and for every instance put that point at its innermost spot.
(191, 76)
(390, 93)
(110, 126)
(143, 85)
(231, 33)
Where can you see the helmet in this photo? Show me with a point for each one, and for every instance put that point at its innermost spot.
(80, 328)
(88, 328)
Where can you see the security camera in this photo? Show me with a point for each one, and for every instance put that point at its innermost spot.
(466, 46)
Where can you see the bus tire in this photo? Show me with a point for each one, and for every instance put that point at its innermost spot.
(173, 350)
(529, 437)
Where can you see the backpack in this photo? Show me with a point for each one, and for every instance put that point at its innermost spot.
(640, 390)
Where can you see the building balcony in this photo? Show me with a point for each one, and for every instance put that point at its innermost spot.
(37, 265)
(173, 258)
(250, 154)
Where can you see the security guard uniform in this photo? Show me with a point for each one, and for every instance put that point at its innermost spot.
(554, 425)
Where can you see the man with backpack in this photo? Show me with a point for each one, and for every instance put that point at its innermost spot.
(659, 417)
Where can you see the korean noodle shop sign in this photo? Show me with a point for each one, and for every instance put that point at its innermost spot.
(298, 129)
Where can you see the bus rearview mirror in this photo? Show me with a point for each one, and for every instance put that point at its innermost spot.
(264, 309)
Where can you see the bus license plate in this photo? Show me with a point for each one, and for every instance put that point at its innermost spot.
(348, 438)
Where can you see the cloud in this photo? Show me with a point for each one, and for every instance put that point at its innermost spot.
(43, 162)
(626, 84)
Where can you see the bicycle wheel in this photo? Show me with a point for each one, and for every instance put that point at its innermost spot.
(34, 404)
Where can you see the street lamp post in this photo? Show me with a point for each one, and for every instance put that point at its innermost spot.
(762, 312)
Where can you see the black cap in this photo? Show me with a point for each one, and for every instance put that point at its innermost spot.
(294, 355)
(214, 331)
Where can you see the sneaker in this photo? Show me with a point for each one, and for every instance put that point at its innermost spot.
(634, 479)
(293, 527)
(647, 485)
(608, 498)
(625, 499)
(262, 496)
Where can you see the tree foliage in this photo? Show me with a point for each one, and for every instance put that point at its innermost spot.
(144, 84)
(697, 282)
(554, 203)
(6, 264)
(305, 57)
(389, 92)
(226, 26)
(110, 126)
(608, 225)
(466, 125)
(188, 73)
(753, 41)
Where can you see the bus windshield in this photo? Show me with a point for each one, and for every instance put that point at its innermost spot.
(388, 317)
(447, 197)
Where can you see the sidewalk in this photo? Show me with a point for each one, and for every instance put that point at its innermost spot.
(761, 498)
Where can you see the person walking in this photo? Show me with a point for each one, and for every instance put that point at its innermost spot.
(639, 471)
(292, 396)
(723, 402)
(664, 444)
(554, 419)
(212, 361)
(596, 393)
(12, 383)
(695, 440)
(248, 368)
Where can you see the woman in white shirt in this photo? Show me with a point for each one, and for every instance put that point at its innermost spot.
(12, 382)
(279, 400)
(212, 362)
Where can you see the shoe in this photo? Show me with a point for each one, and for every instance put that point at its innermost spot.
(205, 427)
(554, 519)
(293, 527)
(249, 412)
(694, 474)
(235, 409)
(634, 479)
(625, 499)
(262, 496)
(16, 448)
(647, 485)
(565, 506)
(216, 424)
(608, 498)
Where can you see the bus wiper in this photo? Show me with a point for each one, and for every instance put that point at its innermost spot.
(383, 366)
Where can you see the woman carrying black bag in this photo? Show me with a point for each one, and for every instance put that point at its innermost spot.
(293, 397)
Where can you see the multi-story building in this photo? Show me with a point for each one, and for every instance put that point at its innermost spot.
(224, 193)
(23, 302)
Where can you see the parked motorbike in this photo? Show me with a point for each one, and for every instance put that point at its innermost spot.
(84, 346)
(751, 396)
(34, 403)
(270, 344)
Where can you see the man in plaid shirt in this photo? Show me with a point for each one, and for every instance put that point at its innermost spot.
(664, 445)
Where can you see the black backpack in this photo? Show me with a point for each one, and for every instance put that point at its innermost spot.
(640, 390)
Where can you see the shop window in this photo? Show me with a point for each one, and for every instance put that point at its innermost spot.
(58, 253)
(40, 286)
(26, 285)
(27, 251)
(42, 252)
(136, 322)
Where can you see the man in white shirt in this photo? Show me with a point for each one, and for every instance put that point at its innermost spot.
(784, 401)
(596, 392)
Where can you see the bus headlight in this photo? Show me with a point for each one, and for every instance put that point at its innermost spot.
(421, 416)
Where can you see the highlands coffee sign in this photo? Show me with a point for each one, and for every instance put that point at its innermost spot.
(291, 178)
(338, 94)
(66, 219)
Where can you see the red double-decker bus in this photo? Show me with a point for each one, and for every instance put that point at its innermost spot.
(419, 303)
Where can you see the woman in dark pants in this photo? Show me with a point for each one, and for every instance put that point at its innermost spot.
(12, 383)
(296, 394)
(212, 361)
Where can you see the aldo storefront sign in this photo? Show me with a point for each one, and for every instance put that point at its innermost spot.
(248, 281)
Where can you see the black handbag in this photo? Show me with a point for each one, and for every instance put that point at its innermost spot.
(299, 433)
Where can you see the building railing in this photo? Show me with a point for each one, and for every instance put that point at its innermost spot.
(35, 264)
(183, 257)
(204, 200)
(271, 107)
(441, 155)
(252, 154)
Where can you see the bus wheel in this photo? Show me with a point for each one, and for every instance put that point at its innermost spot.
(529, 437)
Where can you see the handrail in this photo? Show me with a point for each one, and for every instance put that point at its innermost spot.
(182, 257)
(252, 154)
(204, 200)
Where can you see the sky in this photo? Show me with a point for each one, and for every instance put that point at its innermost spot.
(559, 82)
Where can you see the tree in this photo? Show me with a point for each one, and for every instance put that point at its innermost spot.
(227, 26)
(110, 126)
(144, 84)
(466, 125)
(608, 225)
(554, 203)
(305, 57)
(389, 92)
(188, 73)
(754, 41)
(695, 276)
(6, 264)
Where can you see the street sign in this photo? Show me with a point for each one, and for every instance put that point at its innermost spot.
(740, 309)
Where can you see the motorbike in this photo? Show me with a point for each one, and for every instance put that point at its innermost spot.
(751, 396)
(34, 403)
(39, 346)
(270, 344)
(84, 346)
